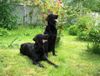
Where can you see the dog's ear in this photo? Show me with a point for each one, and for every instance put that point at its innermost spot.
(38, 38)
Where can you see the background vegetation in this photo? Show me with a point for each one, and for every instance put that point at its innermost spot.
(78, 40)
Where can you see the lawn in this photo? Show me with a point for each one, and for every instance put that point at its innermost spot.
(72, 57)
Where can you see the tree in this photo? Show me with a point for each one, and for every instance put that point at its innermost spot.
(7, 20)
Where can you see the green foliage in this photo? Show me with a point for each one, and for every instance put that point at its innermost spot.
(7, 19)
(83, 35)
(73, 30)
(82, 27)
(86, 30)
(85, 22)
(94, 36)
(4, 32)
(94, 48)
(94, 5)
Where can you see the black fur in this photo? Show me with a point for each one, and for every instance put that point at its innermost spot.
(36, 51)
(52, 32)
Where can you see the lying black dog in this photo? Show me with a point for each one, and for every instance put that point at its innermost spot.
(52, 32)
(36, 51)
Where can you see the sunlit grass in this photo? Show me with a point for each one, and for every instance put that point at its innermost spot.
(71, 57)
(20, 35)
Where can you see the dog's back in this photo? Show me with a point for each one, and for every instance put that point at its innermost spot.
(27, 49)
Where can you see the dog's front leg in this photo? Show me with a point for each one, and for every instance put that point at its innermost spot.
(52, 63)
(48, 61)
(38, 64)
(53, 52)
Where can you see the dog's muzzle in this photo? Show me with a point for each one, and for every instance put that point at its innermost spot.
(56, 20)
(45, 41)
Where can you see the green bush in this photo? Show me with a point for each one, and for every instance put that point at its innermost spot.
(73, 30)
(7, 19)
(84, 25)
(94, 48)
(83, 35)
(94, 36)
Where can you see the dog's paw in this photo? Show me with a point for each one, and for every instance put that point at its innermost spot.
(40, 65)
(54, 55)
(56, 66)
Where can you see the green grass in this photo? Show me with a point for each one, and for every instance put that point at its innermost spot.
(72, 58)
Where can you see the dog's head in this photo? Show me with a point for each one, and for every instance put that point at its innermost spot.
(52, 18)
(40, 38)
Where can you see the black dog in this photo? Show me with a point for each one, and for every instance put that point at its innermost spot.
(52, 32)
(36, 51)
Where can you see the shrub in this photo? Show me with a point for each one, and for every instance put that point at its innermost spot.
(94, 36)
(84, 25)
(7, 19)
(83, 35)
(94, 48)
(73, 30)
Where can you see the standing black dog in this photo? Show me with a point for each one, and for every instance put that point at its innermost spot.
(36, 51)
(52, 32)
